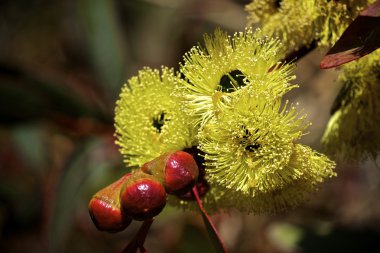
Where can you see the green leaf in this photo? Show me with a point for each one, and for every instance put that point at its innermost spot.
(199, 241)
(35, 157)
(24, 97)
(105, 43)
(77, 176)
(214, 237)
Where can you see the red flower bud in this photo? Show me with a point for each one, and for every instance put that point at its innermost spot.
(142, 196)
(181, 172)
(202, 185)
(104, 208)
(177, 170)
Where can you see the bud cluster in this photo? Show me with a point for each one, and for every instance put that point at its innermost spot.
(141, 195)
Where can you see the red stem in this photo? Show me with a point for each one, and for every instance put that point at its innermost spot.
(207, 219)
(139, 240)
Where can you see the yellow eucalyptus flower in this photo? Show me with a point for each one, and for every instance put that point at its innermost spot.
(149, 120)
(233, 90)
(300, 22)
(250, 147)
(313, 167)
(352, 132)
(228, 66)
(335, 17)
(291, 20)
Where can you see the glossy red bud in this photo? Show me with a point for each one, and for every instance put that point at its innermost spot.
(177, 170)
(202, 185)
(142, 197)
(181, 172)
(105, 210)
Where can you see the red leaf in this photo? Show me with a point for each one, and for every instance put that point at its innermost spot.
(359, 39)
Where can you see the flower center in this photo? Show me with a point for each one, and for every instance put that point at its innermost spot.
(249, 145)
(277, 3)
(231, 81)
(159, 121)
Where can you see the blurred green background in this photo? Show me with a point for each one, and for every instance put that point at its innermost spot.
(62, 64)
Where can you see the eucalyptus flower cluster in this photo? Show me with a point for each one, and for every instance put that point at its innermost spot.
(352, 132)
(298, 23)
(229, 104)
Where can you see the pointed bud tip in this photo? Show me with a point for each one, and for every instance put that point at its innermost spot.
(104, 208)
(106, 216)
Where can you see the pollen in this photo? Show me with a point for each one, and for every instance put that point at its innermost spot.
(149, 121)
(299, 23)
(350, 133)
(230, 65)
